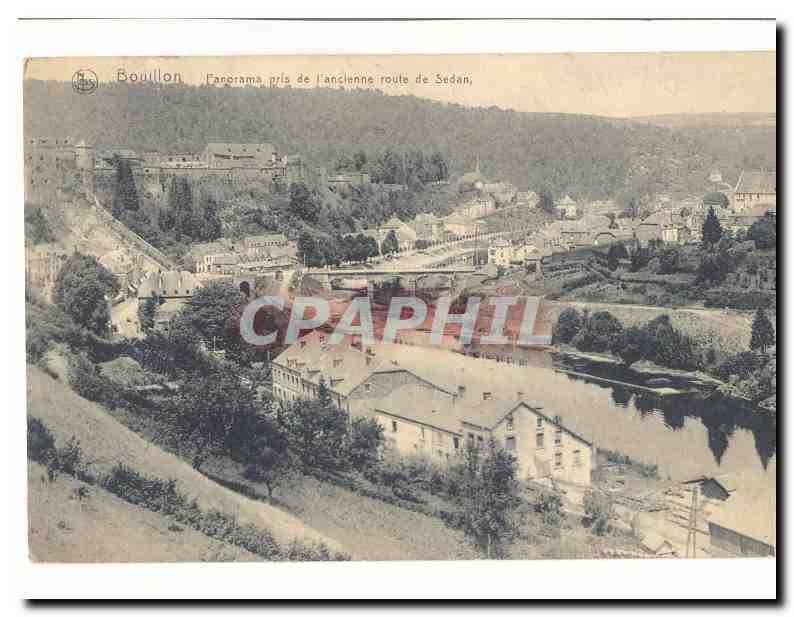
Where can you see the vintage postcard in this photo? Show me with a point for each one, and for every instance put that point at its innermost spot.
(416, 307)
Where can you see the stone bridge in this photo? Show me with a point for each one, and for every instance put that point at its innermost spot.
(325, 275)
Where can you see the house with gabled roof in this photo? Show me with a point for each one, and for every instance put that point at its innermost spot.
(755, 188)
(434, 408)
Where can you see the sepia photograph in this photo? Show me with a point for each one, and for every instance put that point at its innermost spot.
(387, 308)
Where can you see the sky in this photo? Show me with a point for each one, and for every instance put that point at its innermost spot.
(616, 85)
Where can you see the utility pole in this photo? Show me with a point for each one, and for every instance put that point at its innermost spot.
(692, 531)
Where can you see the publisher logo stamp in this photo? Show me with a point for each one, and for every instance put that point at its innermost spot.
(84, 81)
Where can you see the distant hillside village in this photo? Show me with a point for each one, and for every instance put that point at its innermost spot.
(58, 171)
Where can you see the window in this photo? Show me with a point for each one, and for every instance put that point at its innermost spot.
(510, 422)
(479, 441)
(540, 422)
(394, 426)
(558, 459)
(486, 396)
(471, 440)
(367, 387)
(510, 444)
(456, 443)
(539, 440)
(422, 433)
(577, 458)
(558, 435)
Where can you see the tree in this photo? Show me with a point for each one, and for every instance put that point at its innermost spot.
(146, 312)
(546, 202)
(487, 498)
(82, 288)
(125, 197)
(716, 199)
(390, 243)
(359, 160)
(210, 410)
(302, 203)
(632, 345)
(213, 313)
(261, 443)
(715, 266)
(615, 253)
(668, 260)
(366, 439)
(180, 205)
(764, 232)
(37, 228)
(210, 227)
(712, 229)
(439, 167)
(309, 250)
(763, 333)
(317, 431)
(598, 332)
(567, 327)
(669, 347)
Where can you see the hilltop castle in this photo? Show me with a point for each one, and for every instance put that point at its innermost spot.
(55, 167)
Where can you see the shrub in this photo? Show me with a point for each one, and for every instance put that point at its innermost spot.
(549, 506)
(41, 443)
(598, 510)
(86, 380)
(567, 327)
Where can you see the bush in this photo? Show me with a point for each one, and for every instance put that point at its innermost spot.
(567, 327)
(162, 496)
(41, 443)
(740, 300)
(549, 506)
(598, 510)
(598, 332)
(85, 379)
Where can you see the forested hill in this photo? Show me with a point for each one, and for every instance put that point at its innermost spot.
(580, 155)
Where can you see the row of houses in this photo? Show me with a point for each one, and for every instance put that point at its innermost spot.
(435, 405)
(264, 252)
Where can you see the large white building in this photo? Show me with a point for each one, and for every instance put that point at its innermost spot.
(434, 405)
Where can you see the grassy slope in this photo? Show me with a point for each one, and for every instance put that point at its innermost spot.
(106, 442)
(371, 528)
(104, 528)
(367, 528)
(378, 530)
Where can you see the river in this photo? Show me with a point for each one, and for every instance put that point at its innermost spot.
(686, 435)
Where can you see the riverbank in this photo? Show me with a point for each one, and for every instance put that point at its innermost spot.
(649, 376)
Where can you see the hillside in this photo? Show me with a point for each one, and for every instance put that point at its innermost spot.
(100, 527)
(585, 156)
(105, 442)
